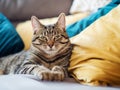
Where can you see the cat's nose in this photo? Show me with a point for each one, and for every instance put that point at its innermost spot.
(50, 44)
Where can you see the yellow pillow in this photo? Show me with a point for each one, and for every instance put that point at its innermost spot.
(96, 55)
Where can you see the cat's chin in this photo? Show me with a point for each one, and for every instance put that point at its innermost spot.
(51, 52)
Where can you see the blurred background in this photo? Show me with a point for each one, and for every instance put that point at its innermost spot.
(22, 10)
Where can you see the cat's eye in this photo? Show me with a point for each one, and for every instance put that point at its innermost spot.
(64, 40)
(57, 37)
(43, 38)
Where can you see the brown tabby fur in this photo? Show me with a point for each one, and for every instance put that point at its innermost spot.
(48, 57)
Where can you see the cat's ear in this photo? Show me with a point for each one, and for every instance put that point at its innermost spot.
(36, 24)
(61, 21)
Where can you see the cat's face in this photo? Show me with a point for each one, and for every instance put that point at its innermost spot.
(50, 39)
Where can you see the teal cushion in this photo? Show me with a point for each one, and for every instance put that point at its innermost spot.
(10, 41)
(80, 25)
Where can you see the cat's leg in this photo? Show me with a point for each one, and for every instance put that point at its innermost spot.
(43, 73)
(38, 70)
(57, 72)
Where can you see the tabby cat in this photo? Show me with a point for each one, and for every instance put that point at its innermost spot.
(48, 56)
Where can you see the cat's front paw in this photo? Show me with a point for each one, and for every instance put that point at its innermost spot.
(58, 73)
(46, 75)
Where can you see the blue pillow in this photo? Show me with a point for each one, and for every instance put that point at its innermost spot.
(78, 26)
(10, 41)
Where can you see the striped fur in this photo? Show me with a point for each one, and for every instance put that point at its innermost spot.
(48, 57)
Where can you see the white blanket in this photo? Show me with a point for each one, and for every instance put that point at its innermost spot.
(28, 82)
(87, 5)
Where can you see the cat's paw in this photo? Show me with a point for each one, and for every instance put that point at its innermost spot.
(46, 75)
(58, 73)
(57, 68)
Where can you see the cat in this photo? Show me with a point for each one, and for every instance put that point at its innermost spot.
(48, 56)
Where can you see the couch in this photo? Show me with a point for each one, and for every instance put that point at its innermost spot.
(22, 10)
(19, 11)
